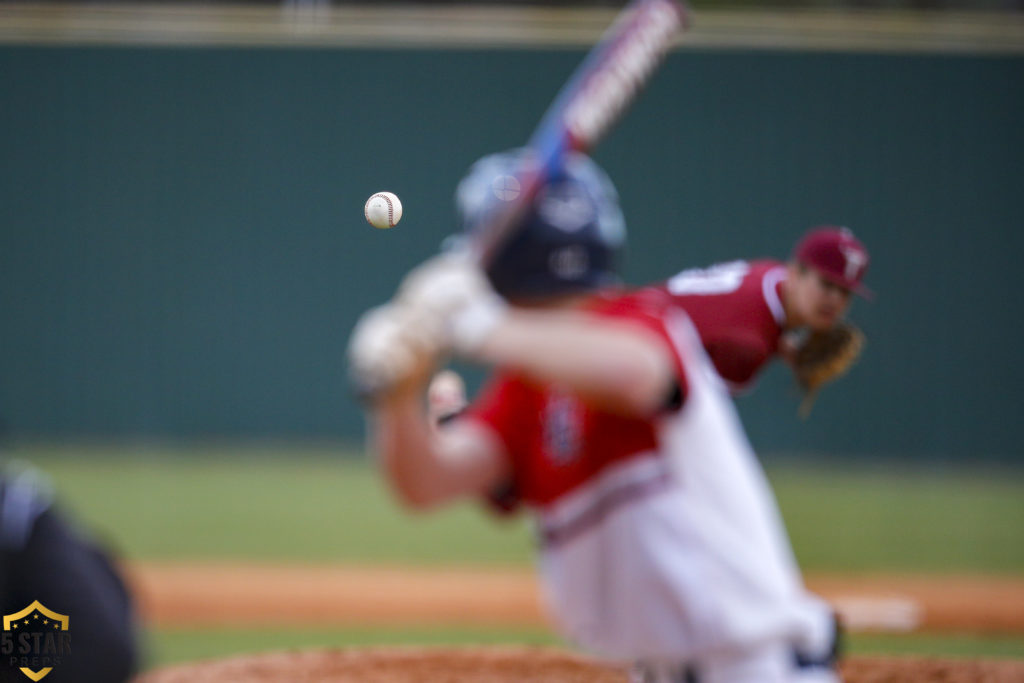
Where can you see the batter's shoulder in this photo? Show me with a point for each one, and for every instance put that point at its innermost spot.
(626, 303)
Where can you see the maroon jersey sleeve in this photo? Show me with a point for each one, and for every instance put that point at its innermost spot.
(737, 311)
(738, 354)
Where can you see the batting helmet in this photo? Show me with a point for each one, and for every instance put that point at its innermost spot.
(569, 237)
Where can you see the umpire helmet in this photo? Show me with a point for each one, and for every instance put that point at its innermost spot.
(569, 237)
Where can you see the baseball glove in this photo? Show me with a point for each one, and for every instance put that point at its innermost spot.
(824, 357)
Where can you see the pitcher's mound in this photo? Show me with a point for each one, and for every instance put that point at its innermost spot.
(396, 665)
(931, 670)
(515, 665)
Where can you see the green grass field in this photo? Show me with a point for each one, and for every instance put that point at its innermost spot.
(309, 505)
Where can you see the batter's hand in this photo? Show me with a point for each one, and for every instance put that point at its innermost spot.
(452, 288)
(390, 347)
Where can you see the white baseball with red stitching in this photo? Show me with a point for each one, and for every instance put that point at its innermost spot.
(383, 210)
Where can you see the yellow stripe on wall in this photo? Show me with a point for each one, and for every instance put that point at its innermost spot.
(496, 26)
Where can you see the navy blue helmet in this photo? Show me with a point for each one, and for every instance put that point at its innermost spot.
(570, 236)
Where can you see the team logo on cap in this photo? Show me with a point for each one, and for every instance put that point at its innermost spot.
(565, 207)
(855, 261)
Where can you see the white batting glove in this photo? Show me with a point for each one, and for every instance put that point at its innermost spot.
(456, 292)
(390, 345)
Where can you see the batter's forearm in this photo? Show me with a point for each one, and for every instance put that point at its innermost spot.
(403, 443)
(427, 466)
(624, 368)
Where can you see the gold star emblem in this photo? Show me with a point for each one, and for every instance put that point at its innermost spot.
(46, 621)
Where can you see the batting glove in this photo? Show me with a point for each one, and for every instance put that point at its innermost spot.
(456, 292)
(389, 346)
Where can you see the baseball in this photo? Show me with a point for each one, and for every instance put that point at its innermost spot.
(383, 210)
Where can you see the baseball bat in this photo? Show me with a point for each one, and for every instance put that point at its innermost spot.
(596, 95)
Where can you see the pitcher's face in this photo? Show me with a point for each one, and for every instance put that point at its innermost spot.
(816, 301)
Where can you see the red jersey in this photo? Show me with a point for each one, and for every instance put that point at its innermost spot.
(554, 440)
(737, 309)
(659, 538)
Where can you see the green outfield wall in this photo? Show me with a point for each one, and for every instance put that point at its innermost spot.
(183, 253)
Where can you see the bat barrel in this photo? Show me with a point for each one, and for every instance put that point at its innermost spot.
(595, 97)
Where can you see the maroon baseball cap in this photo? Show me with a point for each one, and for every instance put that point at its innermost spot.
(837, 255)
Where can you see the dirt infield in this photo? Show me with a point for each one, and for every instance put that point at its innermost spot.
(243, 595)
(184, 595)
(516, 665)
